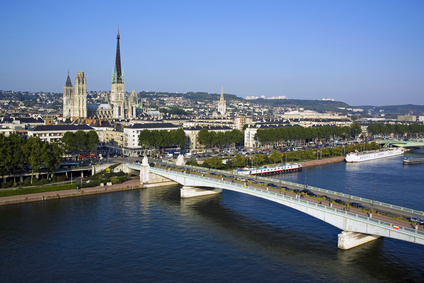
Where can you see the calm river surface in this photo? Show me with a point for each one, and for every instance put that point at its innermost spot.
(151, 235)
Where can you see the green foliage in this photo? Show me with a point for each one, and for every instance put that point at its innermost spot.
(162, 138)
(398, 129)
(220, 139)
(192, 162)
(79, 141)
(17, 154)
(238, 161)
(214, 163)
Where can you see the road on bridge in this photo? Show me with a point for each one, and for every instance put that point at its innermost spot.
(375, 211)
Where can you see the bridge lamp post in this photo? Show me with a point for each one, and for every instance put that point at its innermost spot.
(350, 194)
(373, 193)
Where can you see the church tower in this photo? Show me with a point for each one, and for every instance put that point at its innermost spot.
(117, 95)
(80, 97)
(68, 96)
(222, 105)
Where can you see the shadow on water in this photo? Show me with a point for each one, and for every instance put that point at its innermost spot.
(267, 229)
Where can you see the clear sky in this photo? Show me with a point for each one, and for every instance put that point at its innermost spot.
(358, 52)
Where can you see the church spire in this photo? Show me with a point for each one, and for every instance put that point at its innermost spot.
(68, 81)
(117, 75)
(222, 93)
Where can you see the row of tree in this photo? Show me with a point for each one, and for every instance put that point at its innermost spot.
(398, 129)
(162, 138)
(220, 139)
(16, 154)
(80, 141)
(276, 135)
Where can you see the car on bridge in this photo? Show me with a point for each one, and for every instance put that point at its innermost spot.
(357, 205)
(309, 193)
(339, 201)
(417, 220)
(272, 185)
(325, 197)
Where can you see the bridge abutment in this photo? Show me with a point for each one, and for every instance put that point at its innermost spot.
(189, 192)
(348, 240)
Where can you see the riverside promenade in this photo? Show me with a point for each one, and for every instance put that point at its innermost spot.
(128, 185)
(322, 161)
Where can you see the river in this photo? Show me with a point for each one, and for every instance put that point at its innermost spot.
(151, 235)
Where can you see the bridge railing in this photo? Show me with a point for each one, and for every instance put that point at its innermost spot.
(268, 193)
(352, 197)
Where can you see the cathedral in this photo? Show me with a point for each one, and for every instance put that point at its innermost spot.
(120, 106)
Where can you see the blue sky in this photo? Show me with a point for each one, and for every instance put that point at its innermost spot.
(358, 52)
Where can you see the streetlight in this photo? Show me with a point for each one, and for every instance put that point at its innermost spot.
(373, 193)
(305, 179)
(350, 193)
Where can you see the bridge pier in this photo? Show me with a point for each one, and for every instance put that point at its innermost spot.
(348, 240)
(189, 192)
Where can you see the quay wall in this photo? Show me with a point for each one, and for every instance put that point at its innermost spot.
(128, 185)
(322, 161)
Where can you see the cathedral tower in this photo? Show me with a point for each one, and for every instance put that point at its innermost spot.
(80, 96)
(117, 95)
(68, 96)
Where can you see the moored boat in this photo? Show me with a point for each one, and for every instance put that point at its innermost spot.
(354, 157)
(265, 170)
(413, 161)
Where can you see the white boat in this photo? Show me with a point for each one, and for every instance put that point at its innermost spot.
(294, 167)
(372, 154)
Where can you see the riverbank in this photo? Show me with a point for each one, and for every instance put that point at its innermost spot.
(128, 185)
(322, 161)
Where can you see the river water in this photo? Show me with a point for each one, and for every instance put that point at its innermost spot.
(151, 235)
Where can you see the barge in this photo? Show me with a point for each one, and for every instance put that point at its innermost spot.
(354, 157)
(413, 161)
(265, 170)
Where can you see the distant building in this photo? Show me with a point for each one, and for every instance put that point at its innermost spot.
(54, 133)
(222, 105)
(121, 106)
(278, 97)
(407, 118)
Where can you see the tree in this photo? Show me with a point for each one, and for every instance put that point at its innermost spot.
(92, 140)
(355, 129)
(33, 151)
(204, 137)
(51, 156)
(276, 156)
(214, 162)
(238, 161)
(179, 137)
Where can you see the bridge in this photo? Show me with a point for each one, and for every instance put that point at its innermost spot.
(403, 144)
(356, 228)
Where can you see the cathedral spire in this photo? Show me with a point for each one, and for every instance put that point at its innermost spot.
(117, 75)
(222, 94)
(68, 81)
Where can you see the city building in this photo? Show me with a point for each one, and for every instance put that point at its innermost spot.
(54, 133)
